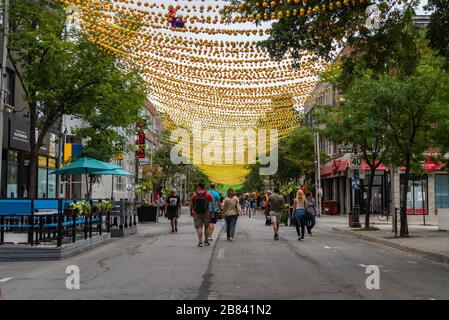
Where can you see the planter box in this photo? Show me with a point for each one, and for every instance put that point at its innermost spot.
(147, 214)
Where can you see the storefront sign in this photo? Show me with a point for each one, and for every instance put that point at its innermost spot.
(144, 161)
(345, 148)
(44, 149)
(19, 135)
(141, 144)
(52, 147)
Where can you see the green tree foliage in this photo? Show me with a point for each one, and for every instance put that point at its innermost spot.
(414, 107)
(63, 73)
(438, 29)
(400, 115)
(313, 25)
(253, 180)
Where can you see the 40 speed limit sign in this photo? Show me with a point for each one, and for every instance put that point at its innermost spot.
(355, 162)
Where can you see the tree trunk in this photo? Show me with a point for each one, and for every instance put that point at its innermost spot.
(370, 195)
(403, 232)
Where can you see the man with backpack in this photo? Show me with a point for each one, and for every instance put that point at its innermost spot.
(200, 209)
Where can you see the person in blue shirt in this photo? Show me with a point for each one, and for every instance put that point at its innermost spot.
(213, 209)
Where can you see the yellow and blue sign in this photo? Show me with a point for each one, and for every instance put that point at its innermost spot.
(71, 150)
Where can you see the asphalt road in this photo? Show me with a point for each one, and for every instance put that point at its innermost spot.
(156, 264)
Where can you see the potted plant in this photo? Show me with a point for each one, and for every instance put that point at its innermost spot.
(147, 212)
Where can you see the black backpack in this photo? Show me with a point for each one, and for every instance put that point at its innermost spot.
(200, 203)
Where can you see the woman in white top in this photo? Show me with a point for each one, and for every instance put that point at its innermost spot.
(300, 213)
(231, 211)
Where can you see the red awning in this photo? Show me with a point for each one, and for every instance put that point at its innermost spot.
(366, 167)
(327, 169)
(429, 166)
(343, 165)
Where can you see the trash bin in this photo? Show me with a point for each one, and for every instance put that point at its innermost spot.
(350, 216)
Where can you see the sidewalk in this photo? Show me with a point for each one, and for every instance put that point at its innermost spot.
(425, 241)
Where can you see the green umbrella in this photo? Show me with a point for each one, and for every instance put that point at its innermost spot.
(113, 172)
(85, 166)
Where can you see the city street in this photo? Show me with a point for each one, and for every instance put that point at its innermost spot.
(156, 264)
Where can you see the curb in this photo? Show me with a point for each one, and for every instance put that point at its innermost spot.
(433, 256)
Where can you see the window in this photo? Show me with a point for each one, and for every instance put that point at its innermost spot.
(11, 187)
(441, 191)
(9, 88)
(416, 194)
(42, 178)
(120, 182)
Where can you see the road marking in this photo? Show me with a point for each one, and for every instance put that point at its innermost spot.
(364, 266)
(326, 247)
(221, 253)
(5, 280)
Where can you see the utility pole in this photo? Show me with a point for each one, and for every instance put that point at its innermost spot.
(3, 76)
(318, 193)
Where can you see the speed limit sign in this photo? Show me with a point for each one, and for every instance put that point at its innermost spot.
(356, 162)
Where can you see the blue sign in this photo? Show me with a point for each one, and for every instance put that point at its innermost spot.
(355, 184)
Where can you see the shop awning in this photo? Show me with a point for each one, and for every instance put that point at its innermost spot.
(429, 166)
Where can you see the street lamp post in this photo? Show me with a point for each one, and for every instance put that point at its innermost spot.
(3, 75)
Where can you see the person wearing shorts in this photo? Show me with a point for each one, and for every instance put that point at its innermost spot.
(213, 209)
(201, 219)
(276, 203)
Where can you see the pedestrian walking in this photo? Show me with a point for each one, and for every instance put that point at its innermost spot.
(200, 209)
(173, 209)
(300, 204)
(310, 212)
(266, 208)
(231, 211)
(276, 203)
(161, 206)
(213, 209)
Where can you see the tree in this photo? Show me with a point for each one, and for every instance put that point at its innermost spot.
(359, 120)
(61, 72)
(437, 30)
(253, 180)
(314, 26)
(299, 149)
(414, 107)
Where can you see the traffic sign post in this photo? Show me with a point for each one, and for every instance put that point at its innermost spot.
(355, 162)
(355, 206)
(355, 184)
(345, 148)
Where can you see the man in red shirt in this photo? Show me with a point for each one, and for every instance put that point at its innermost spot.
(199, 207)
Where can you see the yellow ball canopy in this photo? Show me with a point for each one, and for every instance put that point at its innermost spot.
(201, 67)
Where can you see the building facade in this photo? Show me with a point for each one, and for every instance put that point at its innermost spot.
(15, 161)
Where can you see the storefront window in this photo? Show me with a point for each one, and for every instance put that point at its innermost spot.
(441, 191)
(51, 178)
(42, 178)
(416, 194)
(120, 183)
(12, 185)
